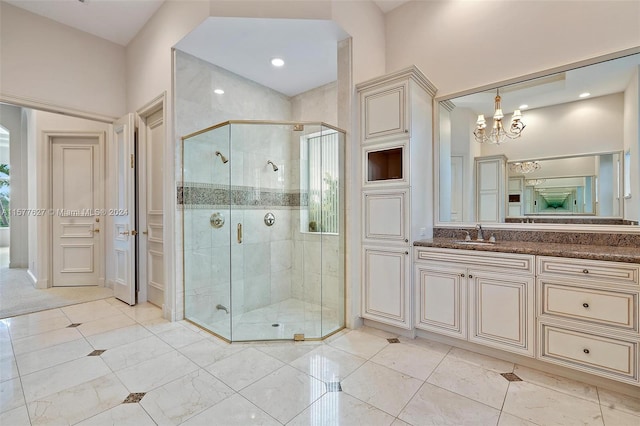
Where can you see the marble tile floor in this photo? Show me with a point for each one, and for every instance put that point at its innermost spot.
(105, 363)
(292, 316)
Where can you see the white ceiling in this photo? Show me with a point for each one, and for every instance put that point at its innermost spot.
(599, 79)
(114, 20)
(245, 46)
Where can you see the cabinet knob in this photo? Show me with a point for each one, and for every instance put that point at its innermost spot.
(470, 276)
(406, 240)
(406, 130)
(585, 305)
(585, 271)
(586, 351)
(462, 275)
(406, 252)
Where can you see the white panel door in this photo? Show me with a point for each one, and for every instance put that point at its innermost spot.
(386, 295)
(457, 188)
(384, 110)
(124, 233)
(151, 208)
(76, 202)
(441, 300)
(502, 311)
(386, 216)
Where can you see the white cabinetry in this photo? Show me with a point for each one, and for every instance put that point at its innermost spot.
(396, 148)
(588, 316)
(486, 298)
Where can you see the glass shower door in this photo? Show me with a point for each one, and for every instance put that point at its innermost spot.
(207, 229)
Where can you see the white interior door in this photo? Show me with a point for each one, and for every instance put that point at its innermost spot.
(76, 202)
(123, 213)
(151, 207)
(457, 188)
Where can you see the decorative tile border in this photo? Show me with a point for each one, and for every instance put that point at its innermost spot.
(192, 194)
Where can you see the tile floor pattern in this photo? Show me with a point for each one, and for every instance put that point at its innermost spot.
(154, 372)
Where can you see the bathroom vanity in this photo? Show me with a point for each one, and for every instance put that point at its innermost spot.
(559, 290)
(527, 298)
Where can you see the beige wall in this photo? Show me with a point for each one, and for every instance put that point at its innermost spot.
(461, 45)
(44, 61)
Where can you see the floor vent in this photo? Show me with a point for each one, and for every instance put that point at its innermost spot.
(393, 340)
(511, 377)
(97, 352)
(134, 397)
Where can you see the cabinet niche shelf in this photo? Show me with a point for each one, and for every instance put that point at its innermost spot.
(384, 165)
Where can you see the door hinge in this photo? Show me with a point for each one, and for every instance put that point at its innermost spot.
(132, 161)
(134, 232)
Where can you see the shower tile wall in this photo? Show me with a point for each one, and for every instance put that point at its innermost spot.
(268, 266)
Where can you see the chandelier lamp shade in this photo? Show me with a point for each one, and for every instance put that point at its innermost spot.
(498, 134)
(524, 167)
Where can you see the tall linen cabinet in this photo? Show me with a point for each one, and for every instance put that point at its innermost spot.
(396, 189)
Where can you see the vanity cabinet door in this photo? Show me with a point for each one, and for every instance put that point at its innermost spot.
(441, 295)
(384, 110)
(386, 295)
(386, 216)
(502, 311)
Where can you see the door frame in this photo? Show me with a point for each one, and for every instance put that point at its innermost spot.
(142, 114)
(45, 228)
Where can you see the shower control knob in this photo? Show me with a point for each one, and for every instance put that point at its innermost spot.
(269, 219)
(217, 220)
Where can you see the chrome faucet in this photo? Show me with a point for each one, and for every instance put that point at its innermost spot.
(479, 237)
(222, 308)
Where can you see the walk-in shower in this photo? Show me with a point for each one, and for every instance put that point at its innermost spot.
(264, 229)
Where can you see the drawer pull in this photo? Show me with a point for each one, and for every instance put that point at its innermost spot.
(586, 351)
(586, 305)
(585, 271)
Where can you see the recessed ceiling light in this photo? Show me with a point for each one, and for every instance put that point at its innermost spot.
(218, 92)
(523, 106)
(277, 62)
(585, 94)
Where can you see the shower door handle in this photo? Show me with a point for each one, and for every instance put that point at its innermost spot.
(239, 233)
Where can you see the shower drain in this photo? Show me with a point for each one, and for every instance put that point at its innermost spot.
(275, 325)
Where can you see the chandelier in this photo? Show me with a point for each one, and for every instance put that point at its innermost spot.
(534, 182)
(498, 133)
(524, 167)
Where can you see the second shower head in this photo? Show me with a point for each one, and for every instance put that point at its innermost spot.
(275, 168)
(224, 159)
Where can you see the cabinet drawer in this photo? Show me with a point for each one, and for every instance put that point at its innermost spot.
(596, 305)
(515, 263)
(594, 353)
(620, 273)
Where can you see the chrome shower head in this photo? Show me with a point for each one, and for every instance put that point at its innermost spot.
(275, 168)
(224, 159)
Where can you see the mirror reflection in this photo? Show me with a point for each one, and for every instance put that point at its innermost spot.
(563, 145)
(581, 185)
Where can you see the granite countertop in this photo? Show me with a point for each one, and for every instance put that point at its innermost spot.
(578, 251)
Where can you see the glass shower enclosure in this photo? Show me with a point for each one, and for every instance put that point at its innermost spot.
(264, 230)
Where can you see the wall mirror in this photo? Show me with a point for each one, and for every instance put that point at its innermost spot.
(576, 158)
